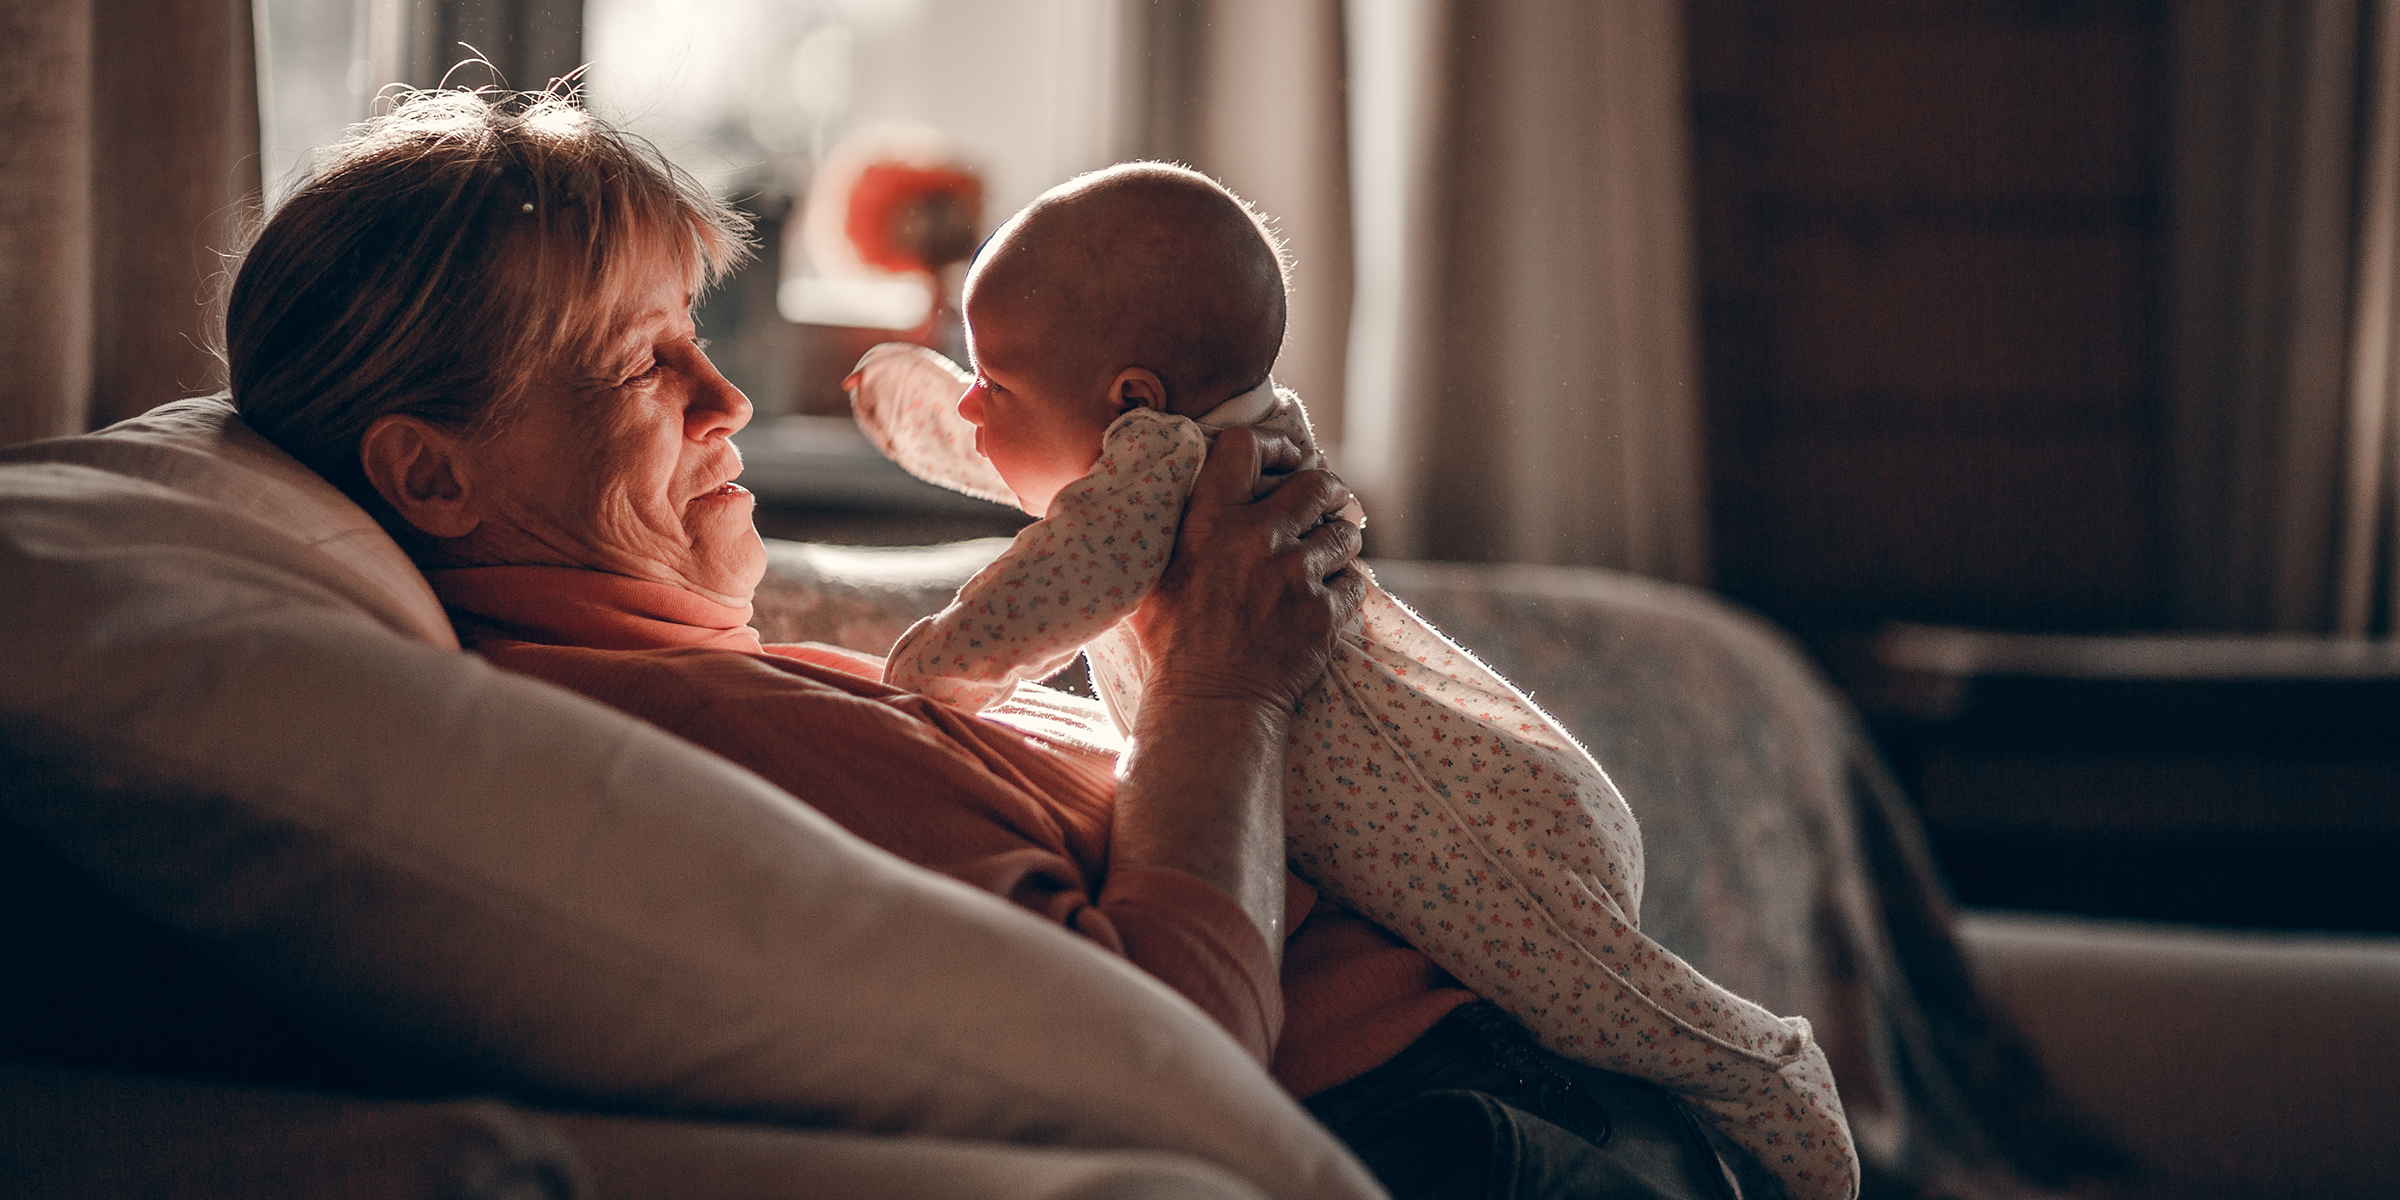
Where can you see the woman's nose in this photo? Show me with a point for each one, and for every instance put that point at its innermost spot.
(716, 407)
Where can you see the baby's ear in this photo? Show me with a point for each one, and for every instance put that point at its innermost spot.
(1138, 387)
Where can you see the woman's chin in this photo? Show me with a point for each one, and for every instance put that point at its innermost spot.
(728, 558)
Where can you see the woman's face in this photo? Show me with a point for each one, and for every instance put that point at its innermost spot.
(626, 464)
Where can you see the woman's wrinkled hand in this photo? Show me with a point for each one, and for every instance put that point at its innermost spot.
(1263, 575)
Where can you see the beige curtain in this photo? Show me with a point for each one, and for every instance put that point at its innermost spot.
(1512, 375)
(2367, 558)
(45, 219)
(1250, 91)
(130, 166)
(2280, 306)
(1530, 359)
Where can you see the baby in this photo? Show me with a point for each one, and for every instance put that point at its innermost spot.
(1422, 790)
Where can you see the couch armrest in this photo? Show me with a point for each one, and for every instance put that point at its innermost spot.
(2248, 1063)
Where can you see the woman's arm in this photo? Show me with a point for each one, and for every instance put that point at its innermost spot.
(1240, 627)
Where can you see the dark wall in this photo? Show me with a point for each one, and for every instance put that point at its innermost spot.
(1931, 239)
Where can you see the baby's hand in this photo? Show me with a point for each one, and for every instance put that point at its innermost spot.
(906, 400)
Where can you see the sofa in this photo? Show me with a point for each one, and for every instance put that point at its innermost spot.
(301, 900)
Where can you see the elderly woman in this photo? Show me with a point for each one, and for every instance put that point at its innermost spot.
(475, 318)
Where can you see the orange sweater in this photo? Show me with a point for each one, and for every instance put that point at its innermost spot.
(982, 802)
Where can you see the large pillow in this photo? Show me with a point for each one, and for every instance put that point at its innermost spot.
(229, 703)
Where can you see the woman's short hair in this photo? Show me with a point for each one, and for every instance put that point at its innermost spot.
(443, 257)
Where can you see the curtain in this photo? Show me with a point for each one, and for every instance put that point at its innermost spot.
(2280, 311)
(1250, 91)
(528, 43)
(1488, 206)
(130, 173)
(45, 219)
(129, 170)
(1525, 381)
(2368, 556)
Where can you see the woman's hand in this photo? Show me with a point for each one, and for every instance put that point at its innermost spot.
(1237, 631)
(1262, 577)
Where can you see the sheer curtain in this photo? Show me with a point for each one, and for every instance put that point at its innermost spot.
(2281, 311)
(2367, 559)
(1251, 91)
(131, 163)
(1525, 381)
(1513, 376)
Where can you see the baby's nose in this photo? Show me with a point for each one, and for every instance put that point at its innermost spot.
(970, 403)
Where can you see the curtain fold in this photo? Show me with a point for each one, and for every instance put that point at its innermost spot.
(1494, 310)
(1528, 198)
(132, 170)
(2280, 305)
(1251, 92)
(45, 219)
(2368, 557)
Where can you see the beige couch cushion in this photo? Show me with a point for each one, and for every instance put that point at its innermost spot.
(228, 703)
(202, 450)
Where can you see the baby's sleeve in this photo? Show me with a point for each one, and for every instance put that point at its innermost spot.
(1065, 579)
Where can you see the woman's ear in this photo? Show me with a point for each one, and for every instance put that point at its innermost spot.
(418, 469)
(1138, 387)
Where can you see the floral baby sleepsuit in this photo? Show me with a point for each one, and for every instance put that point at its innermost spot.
(1423, 790)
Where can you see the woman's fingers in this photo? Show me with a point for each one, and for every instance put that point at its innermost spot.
(1309, 498)
(1239, 463)
(1330, 552)
(1256, 589)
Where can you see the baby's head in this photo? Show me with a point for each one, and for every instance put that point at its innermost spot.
(1144, 285)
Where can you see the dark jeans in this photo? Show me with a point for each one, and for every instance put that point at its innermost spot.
(1476, 1110)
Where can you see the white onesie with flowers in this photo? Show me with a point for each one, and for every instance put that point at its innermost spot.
(1422, 789)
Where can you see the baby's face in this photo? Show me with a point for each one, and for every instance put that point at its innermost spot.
(1039, 433)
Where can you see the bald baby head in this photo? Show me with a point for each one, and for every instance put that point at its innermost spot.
(1139, 266)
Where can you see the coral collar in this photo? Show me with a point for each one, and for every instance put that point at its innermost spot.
(565, 606)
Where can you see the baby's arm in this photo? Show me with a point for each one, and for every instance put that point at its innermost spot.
(1067, 577)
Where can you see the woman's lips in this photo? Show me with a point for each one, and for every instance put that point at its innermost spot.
(722, 491)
